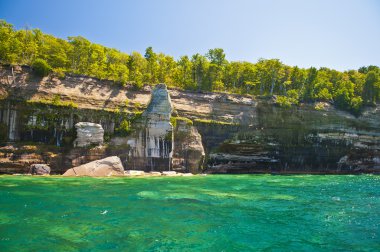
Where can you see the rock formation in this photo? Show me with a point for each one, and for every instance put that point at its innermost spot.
(110, 166)
(189, 153)
(88, 133)
(151, 145)
(39, 169)
(240, 133)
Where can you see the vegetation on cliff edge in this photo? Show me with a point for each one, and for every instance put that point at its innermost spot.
(349, 90)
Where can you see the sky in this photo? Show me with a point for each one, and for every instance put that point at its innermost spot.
(339, 34)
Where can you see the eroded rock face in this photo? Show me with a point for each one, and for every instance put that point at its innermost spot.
(151, 146)
(189, 153)
(296, 140)
(39, 169)
(79, 156)
(110, 166)
(88, 133)
(268, 138)
(17, 159)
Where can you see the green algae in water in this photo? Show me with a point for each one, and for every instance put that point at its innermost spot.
(200, 213)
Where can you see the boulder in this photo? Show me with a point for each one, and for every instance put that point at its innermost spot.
(110, 166)
(39, 169)
(88, 133)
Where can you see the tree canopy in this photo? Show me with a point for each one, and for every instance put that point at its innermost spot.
(349, 90)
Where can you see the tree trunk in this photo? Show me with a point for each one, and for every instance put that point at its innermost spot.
(272, 87)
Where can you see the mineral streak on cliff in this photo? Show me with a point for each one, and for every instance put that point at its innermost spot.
(151, 146)
(240, 134)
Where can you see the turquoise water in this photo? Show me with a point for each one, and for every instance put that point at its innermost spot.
(199, 213)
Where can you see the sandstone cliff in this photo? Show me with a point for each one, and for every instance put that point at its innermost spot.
(238, 133)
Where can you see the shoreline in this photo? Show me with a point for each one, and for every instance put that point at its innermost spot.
(149, 175)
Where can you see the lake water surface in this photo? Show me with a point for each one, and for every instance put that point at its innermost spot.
(199, 213)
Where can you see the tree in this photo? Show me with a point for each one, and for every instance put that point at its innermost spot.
(199, 71)
(217, 59)
(166, 68)
(269, 72)
(79, 55)
(137, 67)
(152, 66)
(348, 90)
(323, 86)
(308, 90)
(217, 56)
(117, 66)
(183, 73)
(371, 89)
(10, 46)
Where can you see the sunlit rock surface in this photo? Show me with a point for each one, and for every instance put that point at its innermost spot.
(189, 153)
(88, 133)
(110, 166)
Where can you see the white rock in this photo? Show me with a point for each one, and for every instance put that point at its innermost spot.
(134, 173)
(187, 174)
(88, 133)
(170, 173)
(153, 173)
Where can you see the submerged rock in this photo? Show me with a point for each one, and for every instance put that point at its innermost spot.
(110, 166)
(40, 169)
(88, 133)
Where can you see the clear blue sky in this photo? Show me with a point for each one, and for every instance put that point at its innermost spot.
(340, 34)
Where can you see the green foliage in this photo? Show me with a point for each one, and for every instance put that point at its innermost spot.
(59, 72)
(283, 101)
(293, 95)
(136, 117)
(186, 120)
(124, 128)
(56, 101)
(319, 106)
(348, 90)
(174, 121)
(41, 67)
(324, 95)
(371, 89)
(205, 121)
(356, 104)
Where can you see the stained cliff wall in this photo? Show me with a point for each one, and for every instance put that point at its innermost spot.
(152, 143)
(299, 139)
(239, 133)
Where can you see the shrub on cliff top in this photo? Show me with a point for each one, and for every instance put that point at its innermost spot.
(41, 67)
